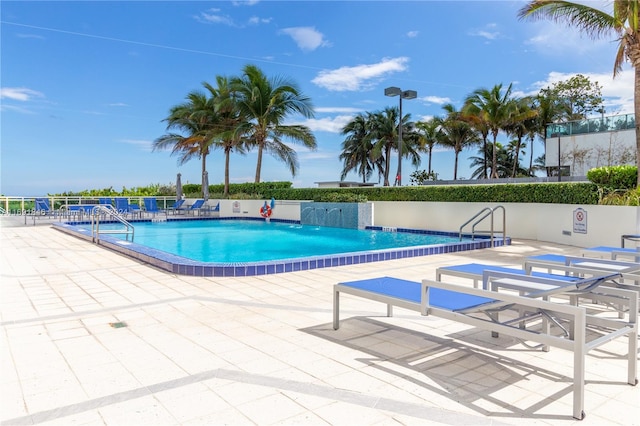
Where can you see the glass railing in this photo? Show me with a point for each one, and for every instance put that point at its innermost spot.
(592, 125)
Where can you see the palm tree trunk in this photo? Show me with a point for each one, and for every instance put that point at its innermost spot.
(455, 166)
(494, 159)
(531, 157)
(227, 153)
(204, 169)
(259, 163)
(387, 162)
(516, 160)
(484, 149)
(429, 170)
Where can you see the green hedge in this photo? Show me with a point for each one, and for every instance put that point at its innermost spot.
(614, 177)
(237, 188)
(551, 193)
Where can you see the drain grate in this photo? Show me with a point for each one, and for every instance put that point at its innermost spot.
(118, 324)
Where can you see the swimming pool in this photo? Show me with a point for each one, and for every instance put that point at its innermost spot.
(233, 247)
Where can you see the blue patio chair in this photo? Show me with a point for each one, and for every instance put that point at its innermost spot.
(42, 207)
(105, 201)
(476, 271)
(480, 308)
(124, 207)
(197, 206)
(178, 206)
(151, 206)
(612, 253)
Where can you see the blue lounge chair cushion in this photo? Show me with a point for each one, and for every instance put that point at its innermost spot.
(555, 258)
(42, 204)
(151, 205)
(411, 291)
(197, 204)
(479, 268)
(608, 249)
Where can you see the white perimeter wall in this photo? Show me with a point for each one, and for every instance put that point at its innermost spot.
(541, 222)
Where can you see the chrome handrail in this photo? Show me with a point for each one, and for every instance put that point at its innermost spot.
(108, 210)
(488, 212)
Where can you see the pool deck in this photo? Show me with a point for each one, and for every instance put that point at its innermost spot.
(93, 337)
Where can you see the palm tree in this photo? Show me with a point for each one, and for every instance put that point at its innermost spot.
(493, 106)
(357, 148)
(427, 137)
(197, 119)
(383, 131)
(513, 150)
(228, 131)
(548, 111)
(624, 24)
(477, 118)
(521, 117)
(267, 103)
(456, 132)
(506, 161)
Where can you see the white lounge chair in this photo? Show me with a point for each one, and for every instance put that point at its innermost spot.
(479, 308)
(576, 265)
(474, 272)
(614, 253)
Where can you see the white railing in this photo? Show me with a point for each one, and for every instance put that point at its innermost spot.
(23, 205)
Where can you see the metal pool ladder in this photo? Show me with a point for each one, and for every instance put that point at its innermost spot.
(482, 215)
(108, 211)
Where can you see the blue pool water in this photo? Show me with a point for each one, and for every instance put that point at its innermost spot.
(234, 241)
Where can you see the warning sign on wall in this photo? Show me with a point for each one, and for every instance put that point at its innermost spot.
(580, 221)
(236, 206)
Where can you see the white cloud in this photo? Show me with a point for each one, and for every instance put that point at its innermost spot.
(338, 109)
(423, 117)
(255, 20)
(19, 93)
(412, 34)
(360, 76)
(118, 104)
(489, 32)
(618, 92)
(327, 124)
(554, 39)
(212, 16)
(245, 2)
(143, 145)
(5, 107)
(438, 100)
(21, 35)
(307, 38)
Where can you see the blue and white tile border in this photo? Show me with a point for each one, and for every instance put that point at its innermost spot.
(184, 266)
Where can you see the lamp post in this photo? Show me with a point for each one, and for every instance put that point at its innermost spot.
(559, 127)
(403, 94)
(559, 162)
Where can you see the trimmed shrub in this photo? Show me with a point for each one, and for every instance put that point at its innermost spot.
(614, 177)
(552, 193)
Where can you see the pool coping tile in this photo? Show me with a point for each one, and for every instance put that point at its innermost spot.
(183, 266)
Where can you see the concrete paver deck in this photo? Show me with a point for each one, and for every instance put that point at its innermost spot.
(92, 337)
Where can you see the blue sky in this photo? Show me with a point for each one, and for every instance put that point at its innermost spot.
(85, 85)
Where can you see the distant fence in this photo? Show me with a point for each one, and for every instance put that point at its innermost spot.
(19, 205)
